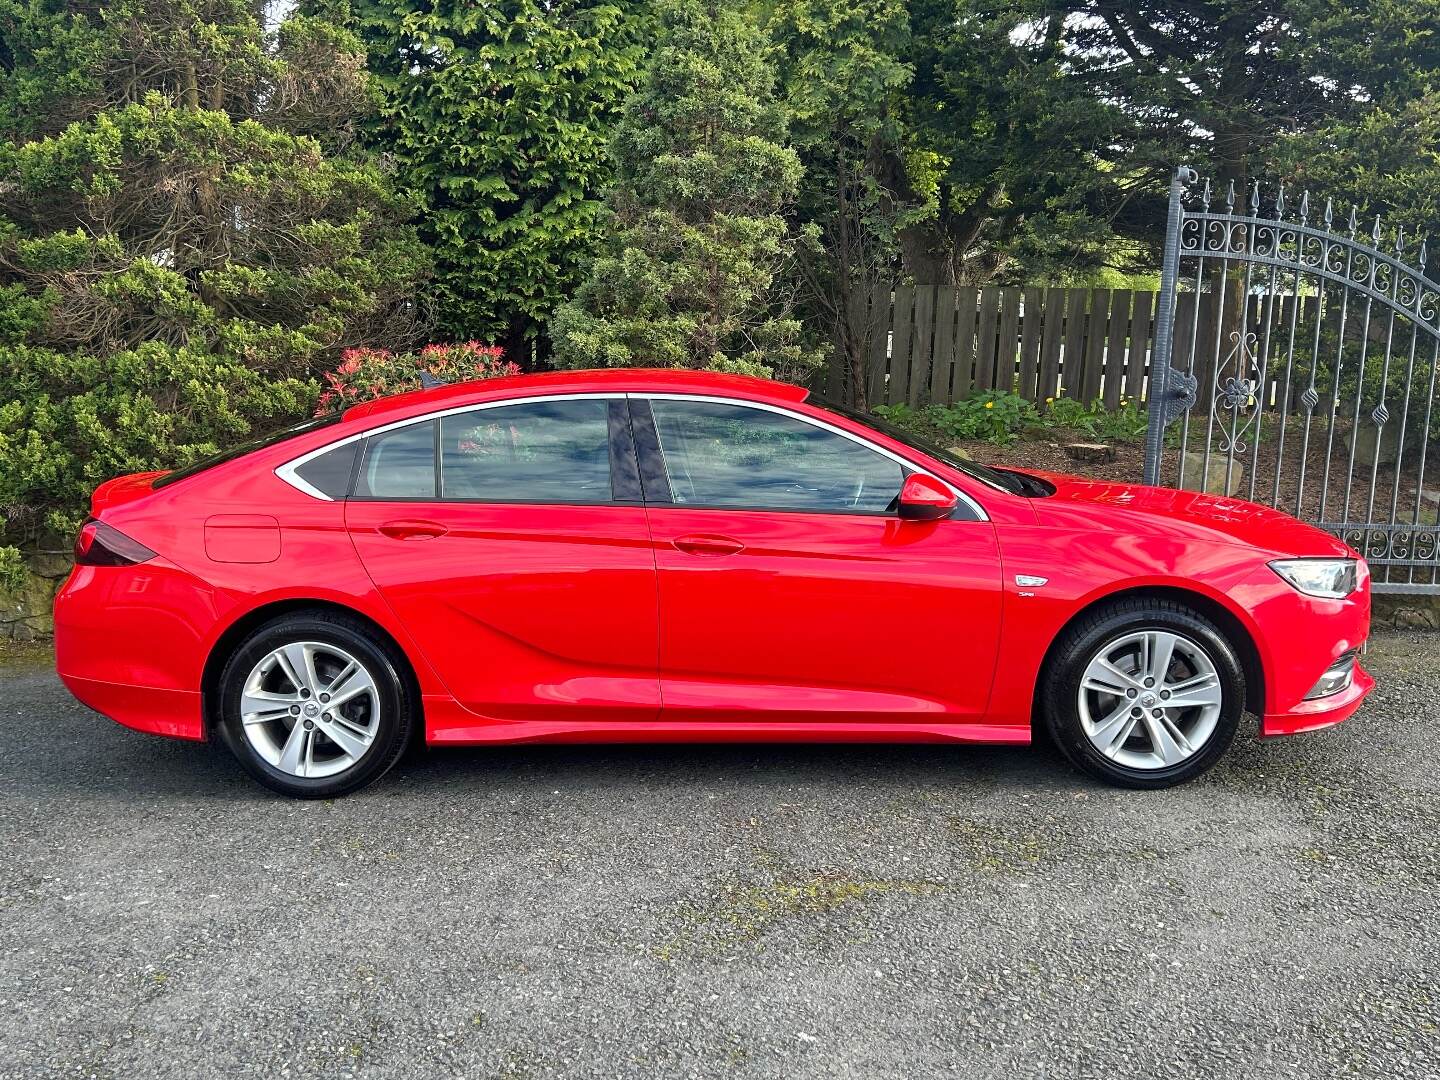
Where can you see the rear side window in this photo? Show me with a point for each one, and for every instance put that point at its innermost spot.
(399, 464)
(532, 452)
(330, 472)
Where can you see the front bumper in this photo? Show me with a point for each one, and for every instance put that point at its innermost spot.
(1299, 638)
(1322, 712)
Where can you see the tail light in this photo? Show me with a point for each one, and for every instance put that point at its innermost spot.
(104, 545)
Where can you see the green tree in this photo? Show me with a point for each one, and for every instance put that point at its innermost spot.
(691, 269)
(1381, 150)
(497, 116)
(1007, 148)
(1220, 84)
(187, 236)
(844, 75)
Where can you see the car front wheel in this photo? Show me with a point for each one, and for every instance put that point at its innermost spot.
(1144, 693)
(313, 705)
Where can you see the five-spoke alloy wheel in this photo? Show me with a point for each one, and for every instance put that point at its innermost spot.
(1144, 693)
(313, 704)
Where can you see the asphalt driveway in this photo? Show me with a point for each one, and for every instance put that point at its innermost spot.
(722, 911)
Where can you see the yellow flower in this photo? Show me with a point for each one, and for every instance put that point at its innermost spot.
(1049, 401)
(989, 404)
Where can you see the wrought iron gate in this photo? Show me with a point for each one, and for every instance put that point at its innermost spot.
(1298, 355)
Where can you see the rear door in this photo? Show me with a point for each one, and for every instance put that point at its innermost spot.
(789, 588)
(511, 541)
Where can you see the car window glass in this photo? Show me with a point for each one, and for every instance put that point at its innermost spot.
(731, 455)
(399, 464)
(330, 472)
(535, 451)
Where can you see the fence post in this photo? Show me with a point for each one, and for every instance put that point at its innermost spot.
(1164, 328)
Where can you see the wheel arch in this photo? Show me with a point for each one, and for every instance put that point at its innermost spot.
(230, 639)
(1241, 639)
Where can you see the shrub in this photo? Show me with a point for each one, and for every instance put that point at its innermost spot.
(1124, 424)
(996, 416)
(70, 420)
(370, 373)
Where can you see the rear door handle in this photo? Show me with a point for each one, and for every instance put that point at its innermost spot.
(413, 530)
(707, 545)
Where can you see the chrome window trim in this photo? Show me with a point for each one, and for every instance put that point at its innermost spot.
(287, 471)
(814, 421)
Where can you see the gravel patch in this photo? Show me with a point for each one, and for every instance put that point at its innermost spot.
(707, 911)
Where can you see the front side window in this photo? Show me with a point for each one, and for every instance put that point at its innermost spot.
(726, 455)
(535, 451)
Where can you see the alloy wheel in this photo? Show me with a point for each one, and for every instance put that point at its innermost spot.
(1150, 699)
(310, 709)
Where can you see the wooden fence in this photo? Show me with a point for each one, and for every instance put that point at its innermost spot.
(940, 344)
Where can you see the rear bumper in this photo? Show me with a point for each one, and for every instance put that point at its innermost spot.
(176, 713)
(1322, 712)
(127, 644)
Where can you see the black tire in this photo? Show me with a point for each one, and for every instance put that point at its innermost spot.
(398, 705)
(1061, 683)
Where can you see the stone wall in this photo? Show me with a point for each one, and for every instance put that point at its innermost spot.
(1394, 611)
(25, 612)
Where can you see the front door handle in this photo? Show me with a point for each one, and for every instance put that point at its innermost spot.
(707, 545)
(412, 530)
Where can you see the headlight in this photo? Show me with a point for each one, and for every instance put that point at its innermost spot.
(1331, 578)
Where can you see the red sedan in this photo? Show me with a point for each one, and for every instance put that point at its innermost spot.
(662, 555)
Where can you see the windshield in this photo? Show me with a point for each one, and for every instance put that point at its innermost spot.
(1003, 479)
(245, 448)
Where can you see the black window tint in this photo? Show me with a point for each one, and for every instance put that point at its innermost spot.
(731, 455)
(538, 451)
(330, 472)
(399, 464)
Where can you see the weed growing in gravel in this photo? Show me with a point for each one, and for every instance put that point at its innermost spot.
(743, 915)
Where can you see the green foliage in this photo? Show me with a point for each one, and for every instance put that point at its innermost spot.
(844, 73)
(12, 567)
(1001, 417)
(71, 420)
(1125, 424)
(1007, 148)
(188, 235)
(695, 242)
(996, 416)
(497, 117)
(370, 373)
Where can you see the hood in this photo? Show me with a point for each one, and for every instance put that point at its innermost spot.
(1194, 514)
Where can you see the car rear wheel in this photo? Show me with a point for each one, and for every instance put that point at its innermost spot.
(314, 705)
(1144, 693)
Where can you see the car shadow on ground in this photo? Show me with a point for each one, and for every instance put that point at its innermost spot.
(73, 752)
(122, 762)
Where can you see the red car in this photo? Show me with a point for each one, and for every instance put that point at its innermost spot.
(660, 556)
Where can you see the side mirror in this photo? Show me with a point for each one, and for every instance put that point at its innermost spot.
(923, 498)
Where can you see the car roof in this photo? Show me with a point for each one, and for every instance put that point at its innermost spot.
(602, 380)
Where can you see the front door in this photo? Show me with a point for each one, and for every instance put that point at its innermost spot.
(791, 591)
(511, 542)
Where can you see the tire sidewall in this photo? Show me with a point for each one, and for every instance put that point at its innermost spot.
(1063, 688)
(394, 712)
